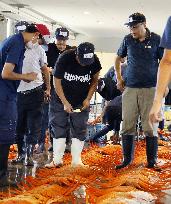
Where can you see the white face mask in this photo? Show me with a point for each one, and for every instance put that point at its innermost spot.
(47, 38)
(45, 47)
(35, 45)
(29, 45)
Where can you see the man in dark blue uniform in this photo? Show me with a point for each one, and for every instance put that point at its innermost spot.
(11, 59)
(141, 47)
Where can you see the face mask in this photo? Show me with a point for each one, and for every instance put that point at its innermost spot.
(45, 47)
(47, 38)
(35, 45)
(29, 45)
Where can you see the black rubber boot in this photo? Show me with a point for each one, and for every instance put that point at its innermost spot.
(29, 156)
(21, 154)
(128, 150)
(151, 152)
(4, 152)
(4, 180)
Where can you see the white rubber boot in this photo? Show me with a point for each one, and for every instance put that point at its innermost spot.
(76, 149)
(58, 152)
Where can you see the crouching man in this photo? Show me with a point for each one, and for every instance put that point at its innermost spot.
(75, 78)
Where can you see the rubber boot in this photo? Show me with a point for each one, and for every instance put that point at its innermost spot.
(4, 152)
(128, 150)
(76, 149)
(58, 153)
(151, 152)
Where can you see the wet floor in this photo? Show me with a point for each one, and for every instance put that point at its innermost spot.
(17, 173)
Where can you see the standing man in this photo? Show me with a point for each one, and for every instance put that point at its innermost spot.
(143, 54)
(11, 60)
(30, 97)
(164, 74)
(54, 50)
(75, 76)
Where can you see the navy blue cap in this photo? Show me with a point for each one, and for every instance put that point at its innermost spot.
(62, 34)
(21, 26)
(135, 18)
(85, 53)
(24, 26)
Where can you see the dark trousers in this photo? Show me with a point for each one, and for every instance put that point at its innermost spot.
(60, 121)
(161, 124)
(113, 117)
(45, 122)
(8, 118)
(113, 121)
(29, 108)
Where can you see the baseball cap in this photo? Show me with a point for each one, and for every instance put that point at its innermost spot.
(85, 53)
(21, 26)
(42, 29)
(62, 33)
(44, 33)
(24, 26)
(135, 18)
(32, 28)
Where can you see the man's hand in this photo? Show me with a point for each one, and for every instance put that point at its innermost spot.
(30, 77)
(50, 70)
(120, 85)
(99, 119)
(95, 121)
(68, 108)
(86, 104)
(155, 113)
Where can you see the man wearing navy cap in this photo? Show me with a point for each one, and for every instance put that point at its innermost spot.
(141, 47)
(54, 50)
(11, 60)
(30, 97)
(164, 74)
(75, 76)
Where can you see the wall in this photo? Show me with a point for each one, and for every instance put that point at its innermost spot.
(105, 48)
(106, 60)
(109, 45)
(3, 30)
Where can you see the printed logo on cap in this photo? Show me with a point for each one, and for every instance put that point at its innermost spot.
(131, 20)
(22, 27)
(88, 55)
(65, 34)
